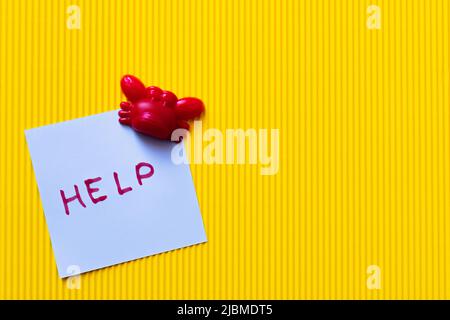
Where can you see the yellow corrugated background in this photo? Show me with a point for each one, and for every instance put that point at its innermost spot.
(364, 123)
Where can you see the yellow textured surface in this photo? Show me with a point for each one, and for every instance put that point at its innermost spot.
(364, 127)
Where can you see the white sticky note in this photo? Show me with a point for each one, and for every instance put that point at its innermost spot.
(132, 200)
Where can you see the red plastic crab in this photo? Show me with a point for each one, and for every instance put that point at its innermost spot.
(155, 112)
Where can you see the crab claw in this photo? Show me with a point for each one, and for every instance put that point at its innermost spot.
(189, 108)
(182, 124)
(153, 92)
(169, 99)
(132, 88)
(125, 113)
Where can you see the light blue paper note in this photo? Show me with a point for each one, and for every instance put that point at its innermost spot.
(158, 215)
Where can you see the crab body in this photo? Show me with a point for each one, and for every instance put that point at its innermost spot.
(155, 112)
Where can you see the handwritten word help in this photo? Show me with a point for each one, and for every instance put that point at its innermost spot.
(143, 171)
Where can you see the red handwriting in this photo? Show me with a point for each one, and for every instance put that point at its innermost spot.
(143, 171)
(119, 188)
(90, 190)
(66, 201)
(147, 175)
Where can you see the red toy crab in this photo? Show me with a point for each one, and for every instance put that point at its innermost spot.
(155, 112)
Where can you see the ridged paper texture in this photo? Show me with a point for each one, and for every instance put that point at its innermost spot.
(363, 184)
